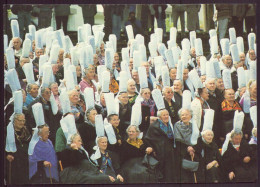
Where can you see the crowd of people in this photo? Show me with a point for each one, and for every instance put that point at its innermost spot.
(84, 114)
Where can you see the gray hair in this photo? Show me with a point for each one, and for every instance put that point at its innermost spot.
(41, 127)
(99, 138)
(29, 87)
(17, 115)
(210, 79)
(236, 132)
(43, 89)
(71, 91)
(136, 128)
(205, 131)
(159, 113)
(73, 137)
(183, 109)
(51, 84)
(165, 88)
(87, 113)
(130, 80)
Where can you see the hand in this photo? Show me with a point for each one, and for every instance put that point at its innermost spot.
(119, 142)
(209, 166)
(120, 178)
(246, 159)
(47, 164)
(153, 119)
(112, 179)
(24, 80)
(74, 146)
(10, 158)
(148, 150)
(216, 164)
(246, 136)
(231, 175)
(190, 150)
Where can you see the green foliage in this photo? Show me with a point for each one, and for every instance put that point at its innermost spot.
(168, 24)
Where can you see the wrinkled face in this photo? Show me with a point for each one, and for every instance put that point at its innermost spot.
(236, 140)
(38, 52)
(77, 140)
(102, 144)
(54, 89)
(228, 60)
(242, 57)
(17, 43)
(208, 136)
(132, 133)
(102, 100)
(44, 134)
(114, 121)
(47, 94)
(185, 74)
(173, 74)
(220, 84)
(116, 57)
(146, 94)
(55, 69)
(135, 76)
(253, 90)
(92, 116)
(242, 91)
(229, 95)
(252, 55)
(205, 94)
(177, 86)
(78, 71)
(34, 91)
(90, 74)
(168, 94)
(123, 98)
(203, 78)
(131, 87)
(193, 52)
(74, 97)
(33, 45)
(185, 116)
(19, 122)
(211, 85)
(164, 116)
(146, 65)
(102, 46)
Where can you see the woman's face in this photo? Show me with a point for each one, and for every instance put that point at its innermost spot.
(74, 97)
(102, 100)
(205, 94)
(77, 140)
(116, 57)
(168, 94)
(164, 116)
(173, 73)
(54, 89)
(90, 74)
(102, 144)
(185, 116)
(236, 140)
(131, 87)
(230, 95)
(34, 91)
(242, 91)
(253, 90)
(78, 71)
(146, 94)
(208, 136)
(114, 121)
(123, 98)
(92, 116)
(19, 122)
(132, 133)
(44, 134)
(177, 86)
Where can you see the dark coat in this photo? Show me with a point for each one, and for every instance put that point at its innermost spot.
(156, 8)
(88, 136)
(163, 148)
(178, 100)
(234, 79)
(174, 115)
(233, 161)
(146, 114)
(125, 119)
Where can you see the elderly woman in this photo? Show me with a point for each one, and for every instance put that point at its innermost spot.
(184, 150)
(131, 90)
(87, 130)
(87, 79)
(108, 162)
(55, 91)
(43, 164)
(132, 154)
(198, 105)
(209, 158)
(252, 88)
(113, 85)
(228, 108)
(101, 54)
(75, 108)
(77, 167)
(172, 74)
(177, 87)
(32, 93)
(169, 104)
(101, 106)
(160, 137)
(17, 165)
(149, 110)
(237, 160)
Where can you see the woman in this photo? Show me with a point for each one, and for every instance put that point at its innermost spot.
(77, 167)
(101, 54)
(75, 108)
(177, 87)
(238, 164)
(17, 167)
(78, 72)
(170, 105)
(198, 105)
(108, 162)
(160, 137)
(87, 130)
(228, 107)
(55, 91)
(131, 90)
(149, 110)
(210, 159)
(184, 150)
(113, 85)
(132, 155)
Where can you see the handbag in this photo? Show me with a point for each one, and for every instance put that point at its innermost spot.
(190, 165)
(150, 161)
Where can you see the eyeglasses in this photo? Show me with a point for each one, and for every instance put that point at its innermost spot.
(21, 120)
(132, 131)
(169, 92)
(46, 132)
